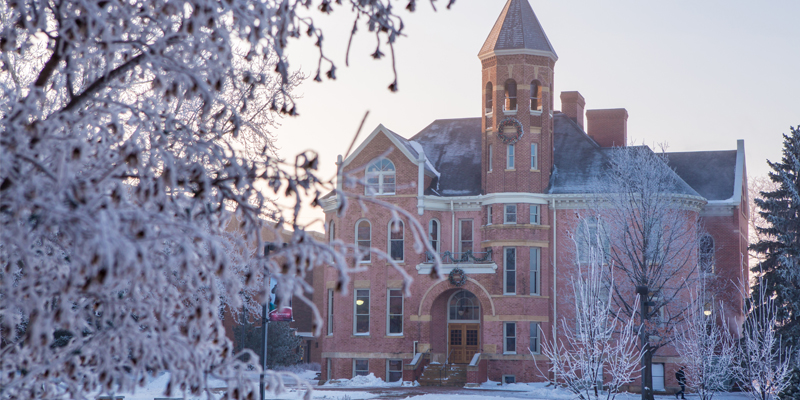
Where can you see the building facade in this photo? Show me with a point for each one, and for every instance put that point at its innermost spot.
(497, 196)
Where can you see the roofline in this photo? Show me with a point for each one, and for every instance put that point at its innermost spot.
(738, 180)
(513, 52)
(386, 132)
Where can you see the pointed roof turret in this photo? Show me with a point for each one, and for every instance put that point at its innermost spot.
(517, 31)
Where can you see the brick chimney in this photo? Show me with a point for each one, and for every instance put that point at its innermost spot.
(572, 104)
(609, 128)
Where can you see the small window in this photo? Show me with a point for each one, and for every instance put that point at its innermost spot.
(510, 276)
(330, 311)
(331, 232)
(510, 338)
(380, 177)
(534, 336)
(511, 95)
(509, 379)
(396, 240)
(707, 254)
(361, 312)
(360, 367)
(535, 263)
(490, 158)
(535, 218)
(510, 215)
(394, 312)
(488, 215)
(510, 157)
(534, 156)
(364, 239)
(536, 96)
(489, 94)
(465, 235)
(394, 370)
(433, 234)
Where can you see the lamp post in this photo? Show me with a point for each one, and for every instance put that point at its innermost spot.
(265, 325)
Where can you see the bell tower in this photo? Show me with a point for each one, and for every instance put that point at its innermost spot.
(517, 103)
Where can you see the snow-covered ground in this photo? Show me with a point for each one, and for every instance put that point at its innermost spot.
(371, 387)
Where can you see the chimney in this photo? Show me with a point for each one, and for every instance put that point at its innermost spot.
(572, 104)
(609, 128)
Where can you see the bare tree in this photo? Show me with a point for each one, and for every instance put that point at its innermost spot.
(765, 366)
(598, 343)
(650, 219)
(121, 167)
(706, 346)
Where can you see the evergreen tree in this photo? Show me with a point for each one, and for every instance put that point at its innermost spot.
(780, 245)
(283, 346)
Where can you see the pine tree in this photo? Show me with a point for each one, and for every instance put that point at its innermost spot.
(283, 346)
(781, 243)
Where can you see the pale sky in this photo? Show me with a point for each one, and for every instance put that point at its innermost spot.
(697, 75)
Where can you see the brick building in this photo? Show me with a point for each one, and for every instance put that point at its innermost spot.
(498, 195)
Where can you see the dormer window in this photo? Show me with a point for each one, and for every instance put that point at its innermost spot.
(489, 94)
(536, 96)
(511, 95)
(380, 177)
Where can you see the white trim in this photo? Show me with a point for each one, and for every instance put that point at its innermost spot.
(330, 315)
(538, 288)
(438, 233)
(535, 156)
(388, 361)
(389, 240)
(369, 254)
(464, 321)
(379, 129)
(426, 268)
(490, 158)
(402, 312)
(506, 214)
(505, 337)
(505, 271)
(355, 315)
(354, 365)
(511, 156)
(511, 52)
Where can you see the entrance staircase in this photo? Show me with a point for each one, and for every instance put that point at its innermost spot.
(444, 375)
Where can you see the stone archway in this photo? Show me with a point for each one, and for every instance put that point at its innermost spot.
(463, 326)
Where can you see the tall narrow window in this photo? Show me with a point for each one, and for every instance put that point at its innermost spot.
(510, 157)
(535, 217)
(591, 239)
(707, 253)
(488, 215)
(364, 239)
(331, 232)
(535, 262)
(536, 96)
(394, 370)
(380, 177)
(510, 214)
(361, 312)
(534, 156)
(465, 235)
(511, 95)
(534, 336)
(360, 367)
(433, 234)
(330, 311)
(394, 312)
(489, 94)
(396, 240)
(510, 338)
(490, 158)
(510, 276)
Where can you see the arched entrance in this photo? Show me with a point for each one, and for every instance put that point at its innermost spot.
(463, 326)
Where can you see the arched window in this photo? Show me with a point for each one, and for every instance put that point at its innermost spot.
(489, 94)
(511, 95)
(707, 253)
(536, 96)
(380, 177)
(331, 232)
(396, 240)
(433, 234)
(464, 307)
(364, 238)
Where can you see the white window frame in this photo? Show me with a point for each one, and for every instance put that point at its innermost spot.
(509, 211)
(355, 371)
(488, 215)
(471, 235)
(436, 244)
(535, 214)
(356, 314)
(331, 232)
(490, 158)
(510, 156)
(535, 334)
(513, 378)
(330, 311)
(535, 277)
(389, 315)
(506, 271)
(388, 370)
(506, 337)
(367, 258)
(534, 156)
(382, 175)
(391, 240)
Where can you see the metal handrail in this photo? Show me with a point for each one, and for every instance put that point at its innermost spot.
(466, 257)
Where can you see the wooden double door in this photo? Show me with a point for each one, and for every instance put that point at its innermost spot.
(462, 342)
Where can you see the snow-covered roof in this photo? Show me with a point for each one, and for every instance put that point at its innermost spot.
(517, 31)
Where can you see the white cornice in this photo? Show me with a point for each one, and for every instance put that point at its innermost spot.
(514, 52)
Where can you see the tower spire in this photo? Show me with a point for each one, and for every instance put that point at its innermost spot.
(517, 31)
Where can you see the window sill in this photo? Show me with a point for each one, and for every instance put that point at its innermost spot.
(510, 169)
(489, 171)
(509, 112)
(360, 335)
(400, 336)
(509, 353)
(536, 112)
(535, 170)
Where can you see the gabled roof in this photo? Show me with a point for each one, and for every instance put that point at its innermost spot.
(711, 173)
(517, 31)
(453, 146)
(410, 150)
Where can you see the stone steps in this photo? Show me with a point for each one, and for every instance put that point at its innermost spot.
(437, 375)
